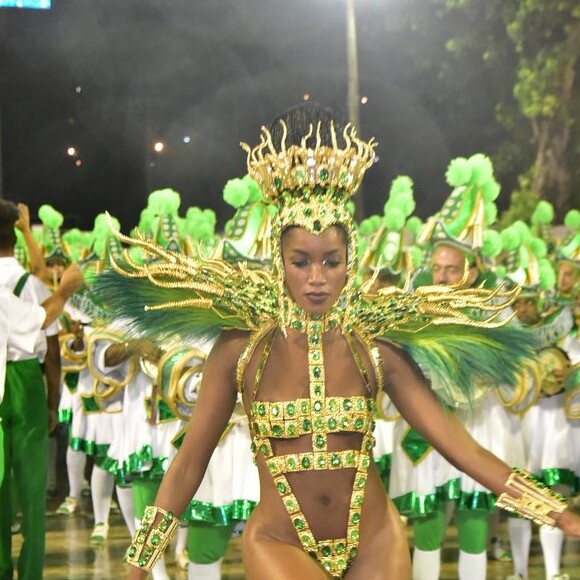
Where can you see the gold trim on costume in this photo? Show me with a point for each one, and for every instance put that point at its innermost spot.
(536, 501)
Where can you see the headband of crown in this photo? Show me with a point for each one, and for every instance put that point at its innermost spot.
(295, 167)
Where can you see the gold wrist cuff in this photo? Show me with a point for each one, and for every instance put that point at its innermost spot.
(536, 501)
(152, 538)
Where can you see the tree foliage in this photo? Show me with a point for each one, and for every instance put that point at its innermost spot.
(545, 38)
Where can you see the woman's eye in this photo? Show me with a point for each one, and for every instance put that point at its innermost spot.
(331, 263)
(300, 263)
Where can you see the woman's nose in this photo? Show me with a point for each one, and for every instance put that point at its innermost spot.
(317, 274)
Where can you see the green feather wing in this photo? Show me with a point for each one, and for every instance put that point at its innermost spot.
(455, 335)
(464, 363)
(172, 294)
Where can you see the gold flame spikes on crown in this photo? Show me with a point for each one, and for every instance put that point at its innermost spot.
(295, 167)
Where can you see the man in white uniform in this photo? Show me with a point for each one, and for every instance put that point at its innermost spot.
(26, 413)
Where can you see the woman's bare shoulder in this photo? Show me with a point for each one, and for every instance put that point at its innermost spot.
(231, 343)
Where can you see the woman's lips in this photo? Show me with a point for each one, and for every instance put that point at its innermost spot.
(317, 297)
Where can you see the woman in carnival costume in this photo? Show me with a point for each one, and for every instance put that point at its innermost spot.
(309, 353)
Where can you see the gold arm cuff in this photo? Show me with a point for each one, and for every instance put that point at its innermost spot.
(536, 501)
(151, 538)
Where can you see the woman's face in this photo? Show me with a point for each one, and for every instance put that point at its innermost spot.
(315, 267)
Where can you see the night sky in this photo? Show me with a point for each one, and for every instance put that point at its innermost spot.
(110, 77)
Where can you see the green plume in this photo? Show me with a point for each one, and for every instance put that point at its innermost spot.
(394, 219)
(370, 225)
(490, 190)
(492, 244)
(238, 192)
(458, 172)
(481, 169)
(572, 219)
(49, 216)
(401, 184)
(164, 201)
(414, 225)
(548, 275)
(511, 238)
(543, 214)
(539, 247)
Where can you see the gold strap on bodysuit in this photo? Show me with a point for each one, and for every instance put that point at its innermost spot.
(335, 555)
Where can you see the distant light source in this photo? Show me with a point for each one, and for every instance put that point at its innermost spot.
(71, 151)
(78, 89)
(78, 162)
(187, 139)
(305, 96)
(364, 100)
(159, 146)
(44, 4)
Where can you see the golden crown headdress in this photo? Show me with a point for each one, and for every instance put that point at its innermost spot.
(295, 167)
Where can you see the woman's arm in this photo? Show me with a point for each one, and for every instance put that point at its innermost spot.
(215, 404)
(410, 393)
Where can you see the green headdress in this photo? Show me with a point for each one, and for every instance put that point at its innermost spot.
(78, 243)
(164, 205)
(199, 230)
(247, 233)
(541, 222)
(52, 244)
(526, 261)
(470, 208)
(388, 239)
(105, 245)
(569, 250)
(20, 250)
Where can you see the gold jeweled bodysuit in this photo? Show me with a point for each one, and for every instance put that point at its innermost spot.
(317, 416)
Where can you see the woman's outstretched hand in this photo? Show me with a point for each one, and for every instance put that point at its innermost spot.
(569, 523)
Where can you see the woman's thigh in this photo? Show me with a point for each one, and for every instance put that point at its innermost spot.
(266, 559)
